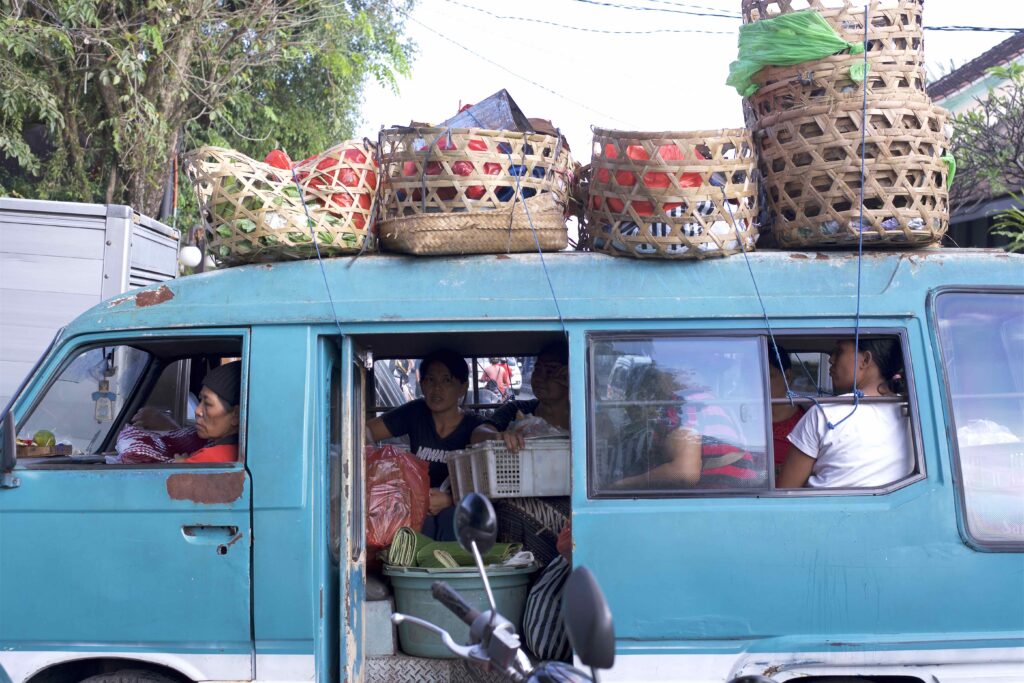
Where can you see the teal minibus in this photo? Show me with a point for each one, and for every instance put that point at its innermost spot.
(255, 569)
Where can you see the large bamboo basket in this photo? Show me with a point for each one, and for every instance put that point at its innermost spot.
(893, 24)
(810, 161)
(677, 195)
(254, 212)
(889, 75)
(473, 191)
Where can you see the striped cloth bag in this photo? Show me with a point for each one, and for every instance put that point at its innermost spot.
(543, 630)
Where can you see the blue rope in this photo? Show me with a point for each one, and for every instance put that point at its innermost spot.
(857, 393)
(319, 258)
(536, 239)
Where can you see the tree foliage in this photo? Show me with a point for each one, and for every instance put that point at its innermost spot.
(100, 94)
(988, 141)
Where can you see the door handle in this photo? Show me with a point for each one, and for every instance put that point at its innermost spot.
(208, 534)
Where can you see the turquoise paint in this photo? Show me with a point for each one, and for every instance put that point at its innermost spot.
(713, 575)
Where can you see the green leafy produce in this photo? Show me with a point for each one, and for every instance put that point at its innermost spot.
(783, 41)
(44, 437)
(268, 240)
(299, 237)
(245, 225)
(325, 237)
(224, 231)
(290, 191)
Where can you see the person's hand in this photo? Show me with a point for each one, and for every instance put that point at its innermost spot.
(513, 439)
(564, 542)
(153, 419)
(439, 500)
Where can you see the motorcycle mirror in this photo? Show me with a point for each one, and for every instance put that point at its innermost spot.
(9, 447)
(588, 620)
(475, 521)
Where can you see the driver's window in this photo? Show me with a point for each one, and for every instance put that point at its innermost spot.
(79, 410)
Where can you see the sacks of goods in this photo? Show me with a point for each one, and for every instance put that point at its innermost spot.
(676, 195)
(824, 98)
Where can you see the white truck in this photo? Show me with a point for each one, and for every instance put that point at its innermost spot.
(59, 258)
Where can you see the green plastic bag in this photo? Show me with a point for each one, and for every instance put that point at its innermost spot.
(950, 162)
(783, 41)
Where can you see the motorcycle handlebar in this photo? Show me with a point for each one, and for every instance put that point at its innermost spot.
(450, 598)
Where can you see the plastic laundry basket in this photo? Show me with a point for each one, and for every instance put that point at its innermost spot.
(412, 596)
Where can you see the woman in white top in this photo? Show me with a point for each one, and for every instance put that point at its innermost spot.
(871, 447)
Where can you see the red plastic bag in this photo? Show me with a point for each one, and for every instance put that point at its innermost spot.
(397, 494)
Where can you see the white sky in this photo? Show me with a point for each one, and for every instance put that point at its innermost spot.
(666, 81)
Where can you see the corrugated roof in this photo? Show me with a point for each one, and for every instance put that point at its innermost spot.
(974, 70)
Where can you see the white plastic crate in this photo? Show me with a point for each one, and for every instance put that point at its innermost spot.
(541, 468)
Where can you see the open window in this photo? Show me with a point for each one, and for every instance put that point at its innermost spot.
(676, 414)
(98, 390)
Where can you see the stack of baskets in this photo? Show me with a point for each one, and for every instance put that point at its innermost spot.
(472, 191)
(256, 212)
(809, 122)
(671, 195)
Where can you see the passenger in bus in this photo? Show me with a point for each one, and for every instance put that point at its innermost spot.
(550, 384)
(784, 415)
(155, 437)
(540, 524)
(684, 440)
(436, 425)
(841, 446)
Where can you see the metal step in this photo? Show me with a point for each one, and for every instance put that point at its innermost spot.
(405, 669)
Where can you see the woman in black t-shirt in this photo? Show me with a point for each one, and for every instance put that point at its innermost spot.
(435, 424)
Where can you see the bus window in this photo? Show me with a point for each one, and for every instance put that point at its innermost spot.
(981, 337)
(676, 414)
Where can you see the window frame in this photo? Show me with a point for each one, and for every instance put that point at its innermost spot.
(75, 346)
(950, 416)
(762, 334)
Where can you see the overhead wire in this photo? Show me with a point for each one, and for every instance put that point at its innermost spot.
(513, 73)
(587, 29)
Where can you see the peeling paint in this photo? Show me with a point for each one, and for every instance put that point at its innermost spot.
(153, 297)
(206, 488)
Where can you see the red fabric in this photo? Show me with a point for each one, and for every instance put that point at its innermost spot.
(780, 430)
(137, 446)
(223, 453)
(397, 495)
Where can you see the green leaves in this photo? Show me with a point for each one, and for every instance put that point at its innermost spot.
(115, 84)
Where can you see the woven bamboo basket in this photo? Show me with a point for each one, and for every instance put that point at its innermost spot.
(893, 24)
(810, 162)
(254, 212)
(889, 75)
(676, 195)
(473, 191)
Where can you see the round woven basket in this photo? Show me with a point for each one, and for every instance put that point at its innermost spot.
(889, 75)
(810, 161)
(473, 191)
(893, 24)
(678, 195)
(254, 212)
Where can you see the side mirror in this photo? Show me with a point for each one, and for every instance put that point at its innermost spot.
(588, 620)
(475, 521)
(8, 452)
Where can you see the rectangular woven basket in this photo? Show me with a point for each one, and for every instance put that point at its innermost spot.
(254, 212)
(675, 195)
(472, 191)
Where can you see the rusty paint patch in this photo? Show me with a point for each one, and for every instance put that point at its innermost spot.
(820, 256)
(799, 257)
(206, 488)
(154, 296)
(118, 301)
(503, 257)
